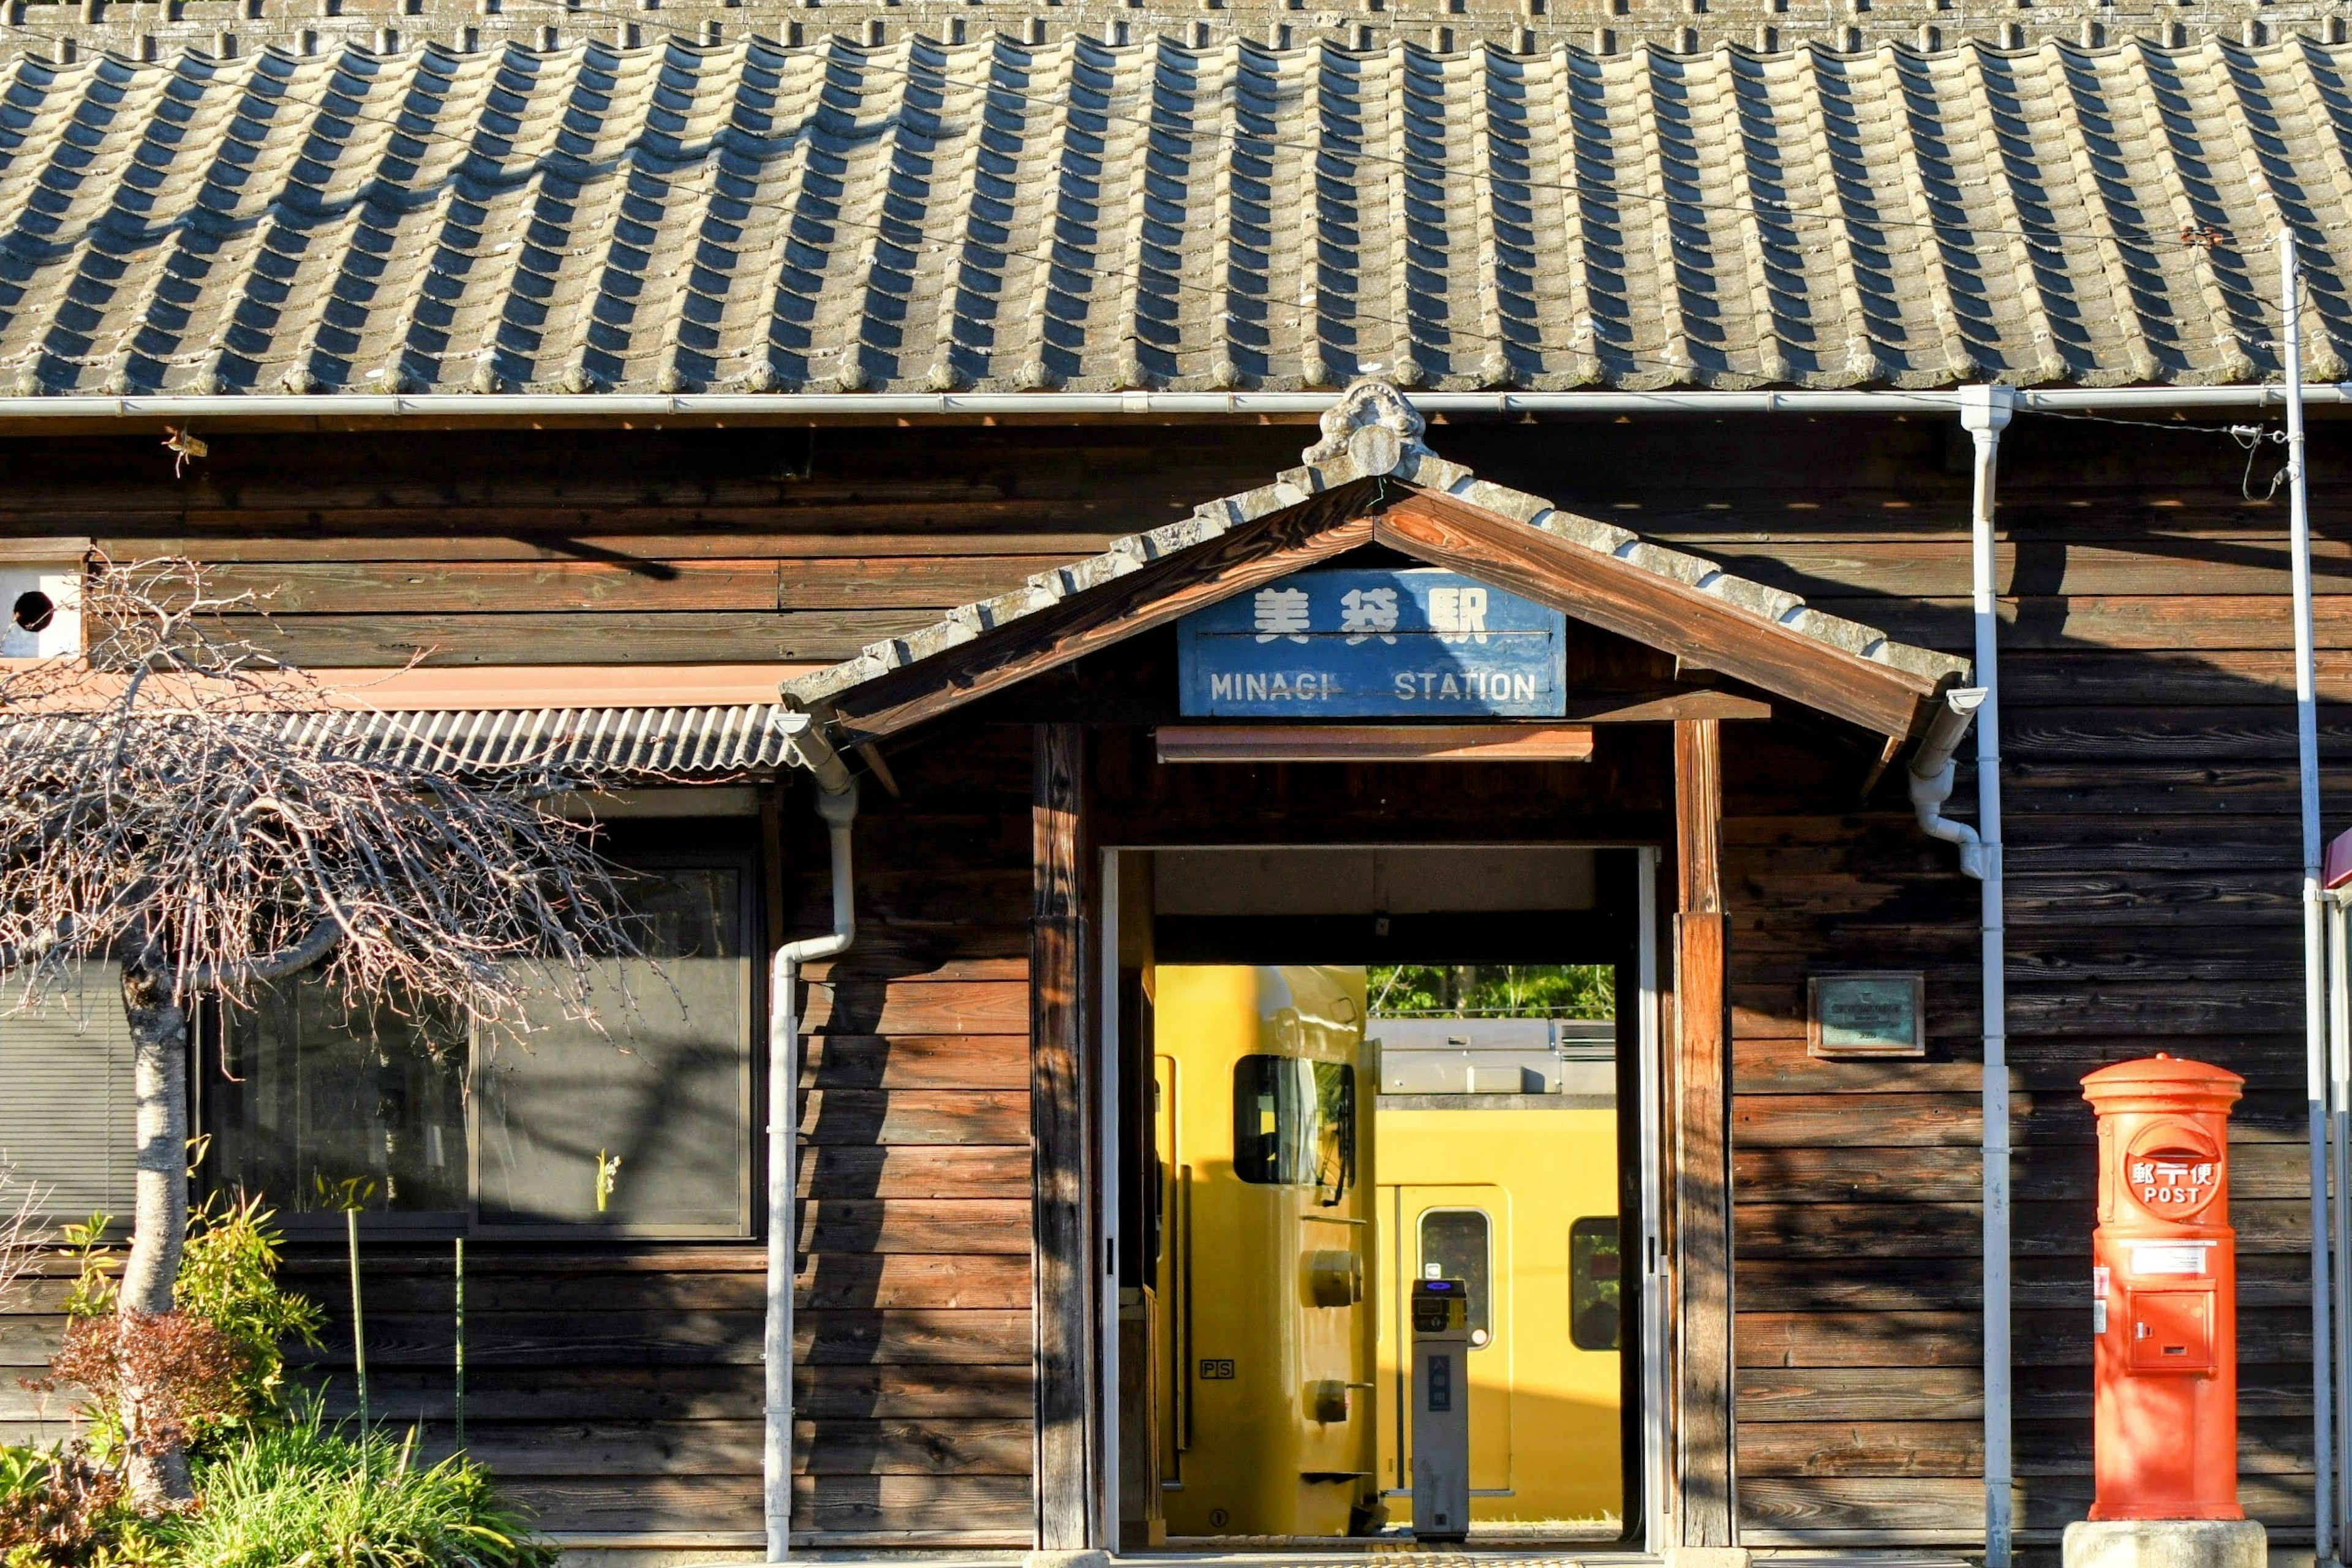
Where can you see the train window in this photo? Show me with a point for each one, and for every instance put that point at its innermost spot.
(1456, 1245)
(1596, 1272)
(1295, 1123)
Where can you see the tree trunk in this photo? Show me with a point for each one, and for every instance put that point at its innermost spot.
(157, 1466)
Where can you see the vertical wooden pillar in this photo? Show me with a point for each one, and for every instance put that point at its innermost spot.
(1702, 1175)
(1059, 942)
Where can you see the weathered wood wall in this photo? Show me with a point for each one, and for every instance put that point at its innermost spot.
(2152, 855)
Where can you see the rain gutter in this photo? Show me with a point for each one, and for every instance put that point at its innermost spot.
(466, 408)
(836, 803)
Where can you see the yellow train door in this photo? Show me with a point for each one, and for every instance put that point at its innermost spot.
(1457, 1231)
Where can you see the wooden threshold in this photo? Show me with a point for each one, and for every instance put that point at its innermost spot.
(1375, 744)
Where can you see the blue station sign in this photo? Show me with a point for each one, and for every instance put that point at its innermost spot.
(1373, 642)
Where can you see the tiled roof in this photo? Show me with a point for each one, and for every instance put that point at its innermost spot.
(1078, 216)
(1344, 456)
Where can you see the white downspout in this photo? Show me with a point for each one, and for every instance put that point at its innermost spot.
(1985, 413)
(2315, 938)
(1931, 771)
(837, 802)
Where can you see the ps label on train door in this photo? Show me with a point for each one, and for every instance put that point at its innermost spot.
(1211, 1370)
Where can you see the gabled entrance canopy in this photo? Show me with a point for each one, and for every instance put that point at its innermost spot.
(1371, 481)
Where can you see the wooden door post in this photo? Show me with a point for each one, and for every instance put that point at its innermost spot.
(1059, 941)
(1702, 1180)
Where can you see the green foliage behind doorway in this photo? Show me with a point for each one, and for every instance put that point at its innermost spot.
(1493, 990)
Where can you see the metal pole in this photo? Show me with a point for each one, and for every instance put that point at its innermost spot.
(1985, 414)
(358, 1323)
(2315, 950)
(2339, 1095)
(459, 1366)
(1657, 1524)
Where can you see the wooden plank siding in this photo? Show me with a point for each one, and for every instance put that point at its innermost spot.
(2152, 855)
(615, 1386)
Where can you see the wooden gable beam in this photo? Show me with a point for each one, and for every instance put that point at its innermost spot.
(1621, 597)
(1255, 553)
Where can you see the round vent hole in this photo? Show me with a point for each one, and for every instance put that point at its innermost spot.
(34, 611)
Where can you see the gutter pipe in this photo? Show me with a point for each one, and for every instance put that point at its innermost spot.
(466, 408)
(836, 803)
(1985, 413)
(1932, 768)
(2315, 948)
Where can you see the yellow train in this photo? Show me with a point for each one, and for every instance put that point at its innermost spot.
(1313, 1164)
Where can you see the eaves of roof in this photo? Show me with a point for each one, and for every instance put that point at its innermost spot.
(1374, 434)
(997, 218)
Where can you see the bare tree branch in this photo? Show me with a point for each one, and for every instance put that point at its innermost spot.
(169, 809)
(165, 813)
(275, 966)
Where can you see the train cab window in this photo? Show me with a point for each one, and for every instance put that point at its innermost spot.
(1295, 1123)
(1596, 1272)
(1456, 1244)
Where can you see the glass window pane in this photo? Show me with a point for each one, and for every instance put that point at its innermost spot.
(1454, 1245)
(646, 1124)
(1295, 1123)
(1596, 1273)
(307, 1091)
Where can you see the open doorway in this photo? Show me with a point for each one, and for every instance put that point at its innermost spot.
(1337, 1072)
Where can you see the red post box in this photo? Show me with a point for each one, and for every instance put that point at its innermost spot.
(2164, 1292)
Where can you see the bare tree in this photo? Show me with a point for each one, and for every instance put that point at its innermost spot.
(169, 811)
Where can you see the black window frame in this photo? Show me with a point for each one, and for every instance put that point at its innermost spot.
(1580, 1269)
(690, 845)
(1245, 1135)
(1478, 1287)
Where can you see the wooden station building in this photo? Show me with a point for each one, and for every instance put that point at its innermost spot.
(667, 397)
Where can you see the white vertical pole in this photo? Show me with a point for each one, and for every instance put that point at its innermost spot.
(2339, 1095)
(1107, 1160)
(2315, 953)
(1985, 414)
(1651, 1258)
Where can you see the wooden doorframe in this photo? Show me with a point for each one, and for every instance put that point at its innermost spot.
(1062, 1009)
(1065, 1012)
(1700, 1189)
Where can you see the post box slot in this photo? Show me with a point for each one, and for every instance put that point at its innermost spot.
(2172, 1330)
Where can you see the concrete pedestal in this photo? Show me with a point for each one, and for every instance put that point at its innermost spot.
(2166, 1544)
(1066, 1560)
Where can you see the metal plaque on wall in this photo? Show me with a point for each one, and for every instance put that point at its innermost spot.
(1374, 642)
(1867, 1012)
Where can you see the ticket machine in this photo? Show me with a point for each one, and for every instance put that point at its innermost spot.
(2164, 1286)
(1441, 1409)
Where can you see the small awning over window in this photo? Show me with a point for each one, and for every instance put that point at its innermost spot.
(687, 742)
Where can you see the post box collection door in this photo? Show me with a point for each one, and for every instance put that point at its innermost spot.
(2164, 1292)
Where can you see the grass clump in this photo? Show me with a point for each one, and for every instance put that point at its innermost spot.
(310, 1495)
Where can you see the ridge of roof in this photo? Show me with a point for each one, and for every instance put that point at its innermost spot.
(1373, 432)
(1081, 216)
(226, 28)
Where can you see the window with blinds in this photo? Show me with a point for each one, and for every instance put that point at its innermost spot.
(66, 1116)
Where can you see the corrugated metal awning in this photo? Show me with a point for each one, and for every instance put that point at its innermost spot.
(702, 743)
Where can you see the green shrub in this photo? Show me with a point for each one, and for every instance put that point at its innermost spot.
(217, 1358)
(228, 1278)
(60, 1507)
(309, 1495)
